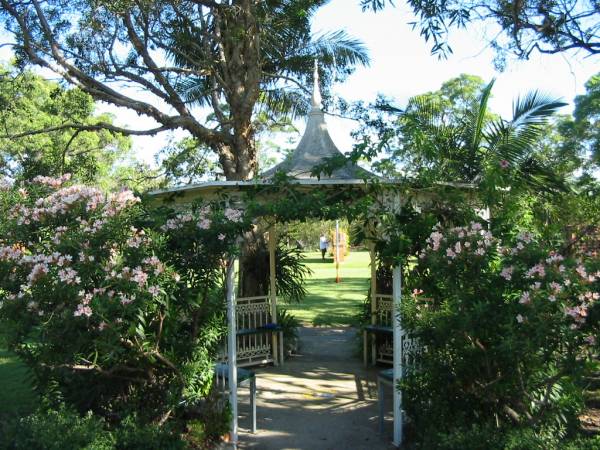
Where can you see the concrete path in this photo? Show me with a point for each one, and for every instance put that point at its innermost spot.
(322, 398)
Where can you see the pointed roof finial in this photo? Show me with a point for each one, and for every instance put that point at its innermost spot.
(316, 96)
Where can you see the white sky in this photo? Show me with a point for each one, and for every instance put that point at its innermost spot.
(402, 66)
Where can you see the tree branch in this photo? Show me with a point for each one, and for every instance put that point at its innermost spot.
(83, 127)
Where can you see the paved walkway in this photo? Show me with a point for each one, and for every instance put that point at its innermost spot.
(322, 398)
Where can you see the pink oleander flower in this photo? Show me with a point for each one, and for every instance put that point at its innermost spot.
(555, 286)
(118, 202)
(221, 237)
(504, 164)
(10, 254)
(577, 313)
(520, 318)
(435, 238)
(38, 271)
(525, 237)
(581, 271)
(450, 253)
(507, 273)
(537, 269)
(233, 215)
(591, 340)
(69, 276)
(83, 310)
(139, 276)
(126, 300)
(204, 224)
(480, 252)
(554, 258)
(154, 291)
(457, 248)
(525, 298)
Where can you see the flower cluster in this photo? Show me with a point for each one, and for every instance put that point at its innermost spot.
(467, 241)
(53, 182)
(66, 199)
(72, 266)
(539, 283)
(177, 222)
(234, 215)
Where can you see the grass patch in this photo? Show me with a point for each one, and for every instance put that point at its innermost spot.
(16, 394)
(328, 303)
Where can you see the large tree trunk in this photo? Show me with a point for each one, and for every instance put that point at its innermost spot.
(240, 73)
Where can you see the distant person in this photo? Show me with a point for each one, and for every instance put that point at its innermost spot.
(323, 245)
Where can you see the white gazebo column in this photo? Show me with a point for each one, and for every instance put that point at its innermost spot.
(232, 348)
(273, 291)
(373, 257)
(397, 394)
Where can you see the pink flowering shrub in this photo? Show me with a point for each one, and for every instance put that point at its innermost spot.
(506, 331)
(94, 298)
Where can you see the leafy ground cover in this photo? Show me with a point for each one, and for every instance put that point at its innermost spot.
(329, 303)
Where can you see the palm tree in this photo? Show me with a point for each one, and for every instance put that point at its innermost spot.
(477, 146)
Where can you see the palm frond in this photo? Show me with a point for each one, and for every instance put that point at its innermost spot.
(535, 108)
(479, 120)
(195, 90)
(340, 47)
(284, 103)
(541, 178)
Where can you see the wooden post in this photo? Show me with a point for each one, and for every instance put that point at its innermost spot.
(397, 394)
(232, 348)
(273, 291)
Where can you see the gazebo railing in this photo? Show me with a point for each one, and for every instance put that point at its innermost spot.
(255, 328)
(411, 349)
(384, 348)
(384, 308)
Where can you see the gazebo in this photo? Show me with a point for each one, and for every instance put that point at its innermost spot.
(248, 347)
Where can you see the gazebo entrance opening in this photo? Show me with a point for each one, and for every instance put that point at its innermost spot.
(254, 335)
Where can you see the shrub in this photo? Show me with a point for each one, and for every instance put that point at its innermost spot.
(62, 429)
(289, 326)
(104, 300)
(65, 429)
(505, 333)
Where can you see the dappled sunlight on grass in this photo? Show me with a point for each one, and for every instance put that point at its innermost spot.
(329, 303)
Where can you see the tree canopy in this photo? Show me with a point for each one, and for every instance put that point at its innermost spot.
(30, 104)
(182, 54)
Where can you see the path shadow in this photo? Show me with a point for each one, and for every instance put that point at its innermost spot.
(322, 399)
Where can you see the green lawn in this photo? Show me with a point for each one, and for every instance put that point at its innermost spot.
(329, 303)
(16, 394)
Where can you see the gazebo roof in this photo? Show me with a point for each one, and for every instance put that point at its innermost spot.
(316, 147)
